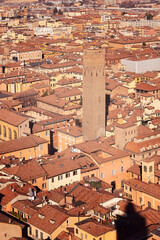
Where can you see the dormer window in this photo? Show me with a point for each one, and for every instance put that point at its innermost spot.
(41, 216)
(143, 149)
(52, 221)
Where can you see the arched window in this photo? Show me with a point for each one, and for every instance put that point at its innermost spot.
(145, 169)
(9, 133)
(15, 134)
(150, 169)
(4, 132)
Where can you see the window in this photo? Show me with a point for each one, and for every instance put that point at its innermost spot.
(159, 208)
(15, 134)
(30, 231)
(44, 185)
(113, 172)
(130, 189)
(122, 169)
(102, 175)
(41, 235)
(76, 230)
(121, 160)
(145, 169)
(85, 236)
(47, 133)
(9, 133)
(52, 179)
(60, 177)
(67, 175)
(126, 187)
(81, 235)
(150, 169)
(33, 181)
(113, 162)
(149, 204)
(122, 182)
(40, 147)
(101, 215)
(36, 233)
(140, 200)
(74, 172)
(4, 132)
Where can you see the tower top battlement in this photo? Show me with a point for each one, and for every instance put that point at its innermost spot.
(93, 53)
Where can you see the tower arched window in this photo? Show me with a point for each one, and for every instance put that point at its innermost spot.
(150, 169)
(145, 169)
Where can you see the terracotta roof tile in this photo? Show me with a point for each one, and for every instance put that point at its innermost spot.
(11, 117)
(48, 219)
(148, 188)
(94, 228)
(21, 143)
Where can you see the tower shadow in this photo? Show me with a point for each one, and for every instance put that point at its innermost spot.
(131, 226)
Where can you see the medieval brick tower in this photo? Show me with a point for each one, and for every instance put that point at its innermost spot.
(93, 123)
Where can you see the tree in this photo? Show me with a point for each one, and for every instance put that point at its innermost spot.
(149, 16)
(45, 93)
(55, 11)
(60, 12)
